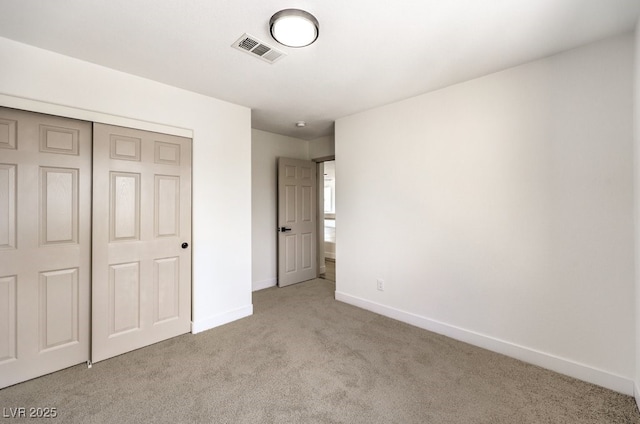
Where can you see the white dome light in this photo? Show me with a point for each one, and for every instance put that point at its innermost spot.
(294, 28)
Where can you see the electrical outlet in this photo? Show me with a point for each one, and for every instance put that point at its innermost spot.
(380, 284)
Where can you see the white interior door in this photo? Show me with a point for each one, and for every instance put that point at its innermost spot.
(45, 247)
(142, 232)
(296, 221)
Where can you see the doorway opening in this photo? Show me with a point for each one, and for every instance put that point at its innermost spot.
(328, 221)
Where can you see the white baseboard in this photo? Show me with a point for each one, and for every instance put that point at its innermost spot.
(221, 319)
(532, 356)
(264, 284)
(323, 269)
(636, 394)
(330, 255)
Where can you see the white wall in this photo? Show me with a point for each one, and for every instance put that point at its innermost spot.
(46, 81)
(266, 148)
(322, 147)
(499, 211)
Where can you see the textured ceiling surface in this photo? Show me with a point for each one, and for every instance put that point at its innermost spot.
(369, 52)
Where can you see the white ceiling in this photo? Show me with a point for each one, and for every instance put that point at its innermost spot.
(369, 53)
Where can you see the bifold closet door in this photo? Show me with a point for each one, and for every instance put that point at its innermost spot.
(141, 239)
(45, 244)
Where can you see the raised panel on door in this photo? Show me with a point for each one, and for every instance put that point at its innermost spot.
(290, 171)
(166, 289)
(124, 298)
(166, 211)
(308, 250)
(58, 308)
(59, 140)
(8, 318)
(291, 204)
(291, 253)
(8, 134)
(296, 221)
(125, 148)
(307, 212)
(124, 206)
(58, 205)
(167, 153)
(142, 210)
(306, 172)
(45, 249)
(8, 223)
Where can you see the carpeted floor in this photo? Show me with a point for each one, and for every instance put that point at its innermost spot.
(306, 358)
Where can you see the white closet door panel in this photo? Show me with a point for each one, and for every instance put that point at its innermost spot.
(45, 249)
(142, 216)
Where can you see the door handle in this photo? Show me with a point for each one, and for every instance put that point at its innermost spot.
(284, 229)
(185, 245)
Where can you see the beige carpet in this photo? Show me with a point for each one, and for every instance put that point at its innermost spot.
(306, 358)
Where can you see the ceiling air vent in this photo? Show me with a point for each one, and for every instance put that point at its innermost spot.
(250, 44)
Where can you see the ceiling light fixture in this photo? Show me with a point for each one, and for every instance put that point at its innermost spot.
(301, 124)
(294, 28)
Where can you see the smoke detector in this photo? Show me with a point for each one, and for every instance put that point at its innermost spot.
(256, 48)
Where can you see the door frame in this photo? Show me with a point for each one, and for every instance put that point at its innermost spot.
(38, 106)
